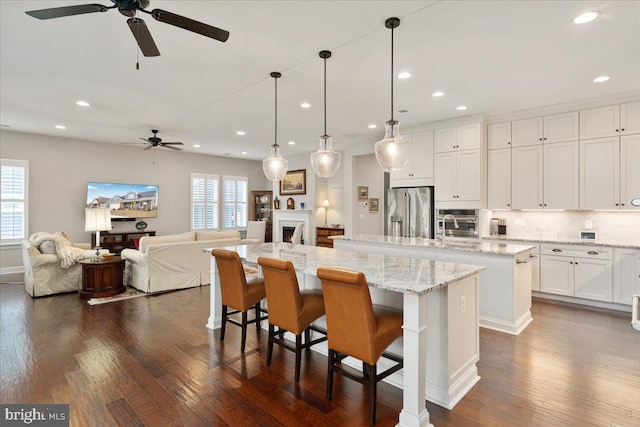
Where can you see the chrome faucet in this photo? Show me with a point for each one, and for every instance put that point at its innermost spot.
(444, 224)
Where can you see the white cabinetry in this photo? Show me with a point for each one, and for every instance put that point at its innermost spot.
(458, 163)
(626, 274)
(545, 176)
(499, 178)
(499, 136)
(612, 120)
(548, 129)
(419, 169)
(581, 271)
(609, 172)
(457, 175)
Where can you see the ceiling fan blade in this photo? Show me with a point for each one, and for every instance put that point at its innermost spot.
(190, 25)
(145, 139)
(143, 37)
(58, 12)
(148, 148)
(171, 147)
(171, 143)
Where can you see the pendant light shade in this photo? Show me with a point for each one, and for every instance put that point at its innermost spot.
(392, 151)
(325, 162)
(275, 166)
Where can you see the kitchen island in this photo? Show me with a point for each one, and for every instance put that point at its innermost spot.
(505, 290)
(440, 343)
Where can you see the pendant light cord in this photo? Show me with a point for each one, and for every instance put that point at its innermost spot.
(275, 141)
(391, 74)
(325, 96)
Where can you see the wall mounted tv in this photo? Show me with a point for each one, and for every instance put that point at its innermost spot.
(126, 201)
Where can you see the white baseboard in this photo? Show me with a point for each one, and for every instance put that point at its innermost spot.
(12, 270)
(582, 301)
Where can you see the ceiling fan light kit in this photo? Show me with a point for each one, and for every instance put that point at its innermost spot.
(392, 151)
(275, 166)
(130, 8)
(325, 162)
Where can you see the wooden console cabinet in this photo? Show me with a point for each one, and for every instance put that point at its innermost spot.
(117, 241)
(323, 233)
(102, 277)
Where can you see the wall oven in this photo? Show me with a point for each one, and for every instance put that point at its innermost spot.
(466, 220)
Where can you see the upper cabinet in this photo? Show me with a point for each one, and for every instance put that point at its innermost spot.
(419, 168)
(609, 121)
(548, 129)
(499, 136)
(465, 137)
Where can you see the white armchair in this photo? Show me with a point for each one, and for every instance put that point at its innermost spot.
(256, 230)
(297, 234)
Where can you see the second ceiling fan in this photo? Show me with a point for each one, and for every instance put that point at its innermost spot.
(138, 27)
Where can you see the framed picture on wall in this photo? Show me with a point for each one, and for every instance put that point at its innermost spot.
(294, 182)
(373, 204)
(363, 192)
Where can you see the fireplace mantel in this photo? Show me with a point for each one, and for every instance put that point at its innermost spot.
(291, 218)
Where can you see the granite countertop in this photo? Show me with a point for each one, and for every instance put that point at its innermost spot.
(459, 245)
(567, 240)
(399, 274)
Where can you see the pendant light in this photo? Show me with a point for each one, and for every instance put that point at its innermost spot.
(325, 162)
(392, 152)
(275, 166)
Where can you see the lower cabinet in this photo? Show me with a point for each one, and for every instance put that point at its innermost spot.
(626, 274)
(580, 271)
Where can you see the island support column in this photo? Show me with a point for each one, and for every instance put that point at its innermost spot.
(215, 299)
(414, 406)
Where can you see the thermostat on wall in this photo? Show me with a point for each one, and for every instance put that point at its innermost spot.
(588, 235)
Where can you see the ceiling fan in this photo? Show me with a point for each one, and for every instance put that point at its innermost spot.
(139, 29)
(154, 141)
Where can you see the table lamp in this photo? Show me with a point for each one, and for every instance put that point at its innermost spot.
(97, 219)
(325, 205)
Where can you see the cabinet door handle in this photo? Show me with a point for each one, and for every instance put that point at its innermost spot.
(556, 250)
(524, 261)
(617, 130)
(592, 253)
(570, 262)
(622, 129)
(509, 143)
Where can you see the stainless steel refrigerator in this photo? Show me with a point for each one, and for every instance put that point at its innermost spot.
(409, 212)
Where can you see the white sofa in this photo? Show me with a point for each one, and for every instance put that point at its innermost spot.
(43, 274)
(176, 261)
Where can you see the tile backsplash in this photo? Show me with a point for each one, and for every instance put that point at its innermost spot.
(620, 226)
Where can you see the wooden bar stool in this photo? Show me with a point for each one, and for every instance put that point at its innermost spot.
(290, 309)
(358, 329)
(237, 293)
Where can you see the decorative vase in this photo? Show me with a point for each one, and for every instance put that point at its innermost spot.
(141, 225)
(276, 203)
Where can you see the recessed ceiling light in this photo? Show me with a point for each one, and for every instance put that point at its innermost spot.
(586, 17)
(601, 79)
(437, 94)
(60, 127)
(243, 152)
(196, 145)
(291, 143)
(372, 126)
(241, 132)
(82, 103)
(305, 105)
(461, 107)
(404, 75)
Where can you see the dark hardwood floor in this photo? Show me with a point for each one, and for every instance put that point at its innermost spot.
(151, 361)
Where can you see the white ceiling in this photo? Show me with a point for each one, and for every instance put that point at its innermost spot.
(493, 56)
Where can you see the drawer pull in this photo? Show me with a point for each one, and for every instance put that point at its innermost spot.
(556, 250)
(592, 253)
(524, 261)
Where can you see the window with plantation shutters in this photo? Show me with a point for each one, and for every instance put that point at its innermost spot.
(14, 200)
(235, 193)
(205, 202)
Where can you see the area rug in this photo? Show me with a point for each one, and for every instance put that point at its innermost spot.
(128, 294)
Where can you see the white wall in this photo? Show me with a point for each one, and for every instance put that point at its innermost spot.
(369, 174)
(60, 168)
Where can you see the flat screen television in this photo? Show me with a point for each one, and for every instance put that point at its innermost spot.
(126, 201)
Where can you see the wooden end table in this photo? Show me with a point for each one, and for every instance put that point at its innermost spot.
(102, 277)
